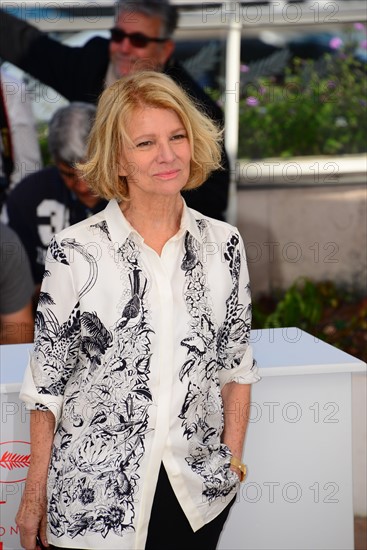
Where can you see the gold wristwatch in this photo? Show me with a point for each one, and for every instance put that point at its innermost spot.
(242, 467)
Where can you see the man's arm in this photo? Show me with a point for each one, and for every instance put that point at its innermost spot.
(75, 73)
(16, 38)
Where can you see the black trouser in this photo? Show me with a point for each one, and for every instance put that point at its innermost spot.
(169, 528)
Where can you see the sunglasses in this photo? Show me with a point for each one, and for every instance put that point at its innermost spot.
(137, 39)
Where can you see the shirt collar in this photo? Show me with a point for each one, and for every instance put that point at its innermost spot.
(120, 229)
(188, 222)
(118, 226)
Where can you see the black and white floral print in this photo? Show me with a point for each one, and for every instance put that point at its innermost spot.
(210, 348)
(99, 463)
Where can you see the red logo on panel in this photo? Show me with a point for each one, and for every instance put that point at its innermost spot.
(14, 461)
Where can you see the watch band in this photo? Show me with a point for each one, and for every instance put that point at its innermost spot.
(242, 467)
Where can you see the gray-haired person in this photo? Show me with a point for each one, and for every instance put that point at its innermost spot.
(47, 201)
(141, 38)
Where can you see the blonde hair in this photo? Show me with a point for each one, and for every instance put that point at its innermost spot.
(108, 135)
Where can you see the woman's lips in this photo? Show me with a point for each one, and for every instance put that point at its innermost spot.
(170, 174)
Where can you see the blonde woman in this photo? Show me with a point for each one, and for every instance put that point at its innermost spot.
(141, 371)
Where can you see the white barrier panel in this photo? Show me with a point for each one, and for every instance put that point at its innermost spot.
(14, 441)
(14, 462)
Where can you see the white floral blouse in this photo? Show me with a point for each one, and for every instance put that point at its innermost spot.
(131, 352)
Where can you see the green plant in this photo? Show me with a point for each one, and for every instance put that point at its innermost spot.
(300, 306)
(335, 314)
(317, 110)
(312, 107)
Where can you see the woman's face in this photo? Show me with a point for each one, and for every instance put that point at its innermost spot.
(158, 161)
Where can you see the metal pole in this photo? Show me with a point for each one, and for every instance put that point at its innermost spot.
(231, 104)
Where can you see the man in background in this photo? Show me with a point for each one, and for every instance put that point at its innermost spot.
(16, 290)
(46, 202)
(140, 39)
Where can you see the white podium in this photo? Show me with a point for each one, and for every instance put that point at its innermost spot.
(298, 493)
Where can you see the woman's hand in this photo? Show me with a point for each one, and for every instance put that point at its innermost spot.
(236, 471)
(31, 517)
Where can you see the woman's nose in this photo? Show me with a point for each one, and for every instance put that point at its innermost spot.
(166, 152)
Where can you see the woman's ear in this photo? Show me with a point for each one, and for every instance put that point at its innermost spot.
(123, 166)
(122, 170)
(128, 169)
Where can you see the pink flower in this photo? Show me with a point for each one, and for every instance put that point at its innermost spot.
(359, 26)
(363, 44)
(336, 43)
(252, 101)
(244, 69)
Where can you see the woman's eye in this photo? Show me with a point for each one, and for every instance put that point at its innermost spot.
(144, 144)
(179, 137)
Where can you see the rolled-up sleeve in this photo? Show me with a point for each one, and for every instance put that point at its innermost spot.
(57, 336)
(237, 363)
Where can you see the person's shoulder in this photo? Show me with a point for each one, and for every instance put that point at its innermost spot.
(213, 224)
(83, 231)
(37, 180)
(31, 190)
(8, 235)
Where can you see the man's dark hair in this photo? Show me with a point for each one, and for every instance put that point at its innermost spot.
(151, 8)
